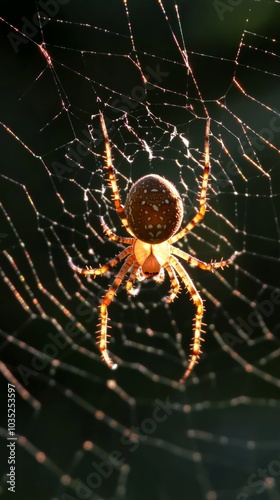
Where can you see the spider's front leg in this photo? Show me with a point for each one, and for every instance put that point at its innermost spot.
(203, 192)
(206, 266)
(193, 261)
(102, 269)
(115, 237)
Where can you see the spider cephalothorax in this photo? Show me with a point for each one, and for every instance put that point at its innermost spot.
(152, 215)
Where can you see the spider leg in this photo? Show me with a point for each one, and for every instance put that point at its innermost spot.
(139, 275)
(103, 269)
(160, 277)
(202, 198)
(106, 300)
(193, 261)
(133, 276)
(175, 286)
(115, 237)
(197, 300)
(111, 180)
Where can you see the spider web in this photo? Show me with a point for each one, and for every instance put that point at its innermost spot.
(155, 70)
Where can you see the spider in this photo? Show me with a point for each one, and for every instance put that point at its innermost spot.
(152, 215)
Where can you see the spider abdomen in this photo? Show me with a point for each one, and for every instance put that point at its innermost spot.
(154, 209)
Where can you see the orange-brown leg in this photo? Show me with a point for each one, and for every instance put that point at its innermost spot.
(103, 269)
(202, 198)
(106, 300)
(115, 237)
(175, 286)
(130, 282)
(159, 278)
(197, 300)
(193, 261)
(111, 179)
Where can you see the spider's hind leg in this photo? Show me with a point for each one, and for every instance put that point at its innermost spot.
(134, 275)
(106, 301)
(198, 302)
(175, 286)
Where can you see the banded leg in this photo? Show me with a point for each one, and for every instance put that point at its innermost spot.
(197, 300)
(111, 180)
(115, 237)
(160, 277)
(193, 261)
(175, 286)
(103, 269)
(202, 198)
(130, 282)
(106, 301)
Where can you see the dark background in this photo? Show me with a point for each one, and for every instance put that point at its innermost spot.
(223, 426)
